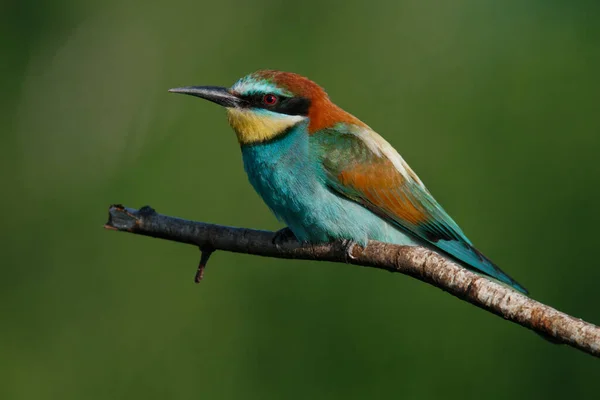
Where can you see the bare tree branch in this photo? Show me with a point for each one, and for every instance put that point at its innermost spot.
(417, 262)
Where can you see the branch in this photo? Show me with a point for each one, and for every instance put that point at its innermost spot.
(417, 262)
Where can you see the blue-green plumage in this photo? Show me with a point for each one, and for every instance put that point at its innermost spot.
(288, 175)
(329, 176)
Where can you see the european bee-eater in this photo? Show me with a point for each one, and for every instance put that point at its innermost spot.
(328, 175)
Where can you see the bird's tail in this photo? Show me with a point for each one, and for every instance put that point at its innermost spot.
(495, 272)
(485, 265)
(475, 260)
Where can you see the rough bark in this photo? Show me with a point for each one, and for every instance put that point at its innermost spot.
(417, 262)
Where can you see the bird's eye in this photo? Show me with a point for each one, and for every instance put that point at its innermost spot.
(270, 99)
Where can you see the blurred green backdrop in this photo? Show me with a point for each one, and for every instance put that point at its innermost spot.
(494, 104)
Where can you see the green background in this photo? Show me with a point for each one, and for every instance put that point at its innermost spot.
(494, 104)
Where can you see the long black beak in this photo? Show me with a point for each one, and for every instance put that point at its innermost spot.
(220, 95)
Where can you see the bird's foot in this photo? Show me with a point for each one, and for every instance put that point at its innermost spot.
(348, 245)
(283, 236)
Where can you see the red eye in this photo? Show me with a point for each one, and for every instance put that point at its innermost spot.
(270, 99)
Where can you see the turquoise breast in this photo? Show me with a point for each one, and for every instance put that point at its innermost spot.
(287, 173)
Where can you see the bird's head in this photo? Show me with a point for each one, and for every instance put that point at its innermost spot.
(267, 103)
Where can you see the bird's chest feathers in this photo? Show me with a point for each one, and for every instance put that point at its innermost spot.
(256, 126)
(283, 173)
(287, 173)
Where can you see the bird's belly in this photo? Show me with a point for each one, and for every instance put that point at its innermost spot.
(316, 214)
(324, 216)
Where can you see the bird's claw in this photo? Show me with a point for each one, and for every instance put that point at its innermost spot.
(348, 245)
(283, 236)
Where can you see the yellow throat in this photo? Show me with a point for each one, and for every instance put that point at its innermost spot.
(253, 127)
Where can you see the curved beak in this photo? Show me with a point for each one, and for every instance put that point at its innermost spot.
(220, 95)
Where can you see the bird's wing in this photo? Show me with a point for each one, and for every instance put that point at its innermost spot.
(360, 165)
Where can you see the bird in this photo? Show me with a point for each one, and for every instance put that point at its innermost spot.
(328, 176)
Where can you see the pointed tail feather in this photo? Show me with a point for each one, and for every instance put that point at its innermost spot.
(474, 259)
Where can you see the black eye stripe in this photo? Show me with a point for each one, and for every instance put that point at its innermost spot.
(292, 106)
(284, 104)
